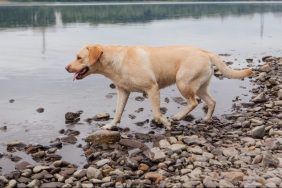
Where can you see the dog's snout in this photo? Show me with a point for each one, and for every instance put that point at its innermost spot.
(67, 68)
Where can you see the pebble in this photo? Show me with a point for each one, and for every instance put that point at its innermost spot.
(258, 132)
(154, 176)
(94, 173)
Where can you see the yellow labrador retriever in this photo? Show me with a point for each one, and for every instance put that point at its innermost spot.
(149, 69)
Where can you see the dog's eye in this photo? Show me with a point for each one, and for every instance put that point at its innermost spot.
(78, 58)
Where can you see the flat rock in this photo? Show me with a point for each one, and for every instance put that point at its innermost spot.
(230, 152)
(233, 176)
(157, 154)
(101, 117)
(133, 143)
(52, 184)
(22, 165)
(224, 183)
(176, 147)
(102, 162)
(103, 137)
(260, 98)
(80, 173)
(37, 169)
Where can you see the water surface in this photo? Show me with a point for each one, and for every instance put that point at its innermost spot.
(38, 40)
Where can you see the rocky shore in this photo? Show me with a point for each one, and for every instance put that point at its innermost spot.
(242, 149)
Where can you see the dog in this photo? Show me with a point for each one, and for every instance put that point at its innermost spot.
(149, 69)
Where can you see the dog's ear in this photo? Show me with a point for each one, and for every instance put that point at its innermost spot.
(95, 53)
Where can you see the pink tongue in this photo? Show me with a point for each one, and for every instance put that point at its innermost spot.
(75, 75)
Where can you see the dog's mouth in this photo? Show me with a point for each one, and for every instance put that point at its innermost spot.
(80, 74)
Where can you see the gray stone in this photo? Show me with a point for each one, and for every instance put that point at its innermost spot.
(87, 185)
(102, 162)
(80, 173)
(157, 154)
(230, 152)
(258, 132)
(101, 117)
(224, 183)
(260, 98)
(279, 94)
(37, 169)
(94, 173)
(103, 137)
(164, 143)
(52, 184)
(34, 183)
(176, 147)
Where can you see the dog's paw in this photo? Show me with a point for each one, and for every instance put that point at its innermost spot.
(176, 117)
(108, 127)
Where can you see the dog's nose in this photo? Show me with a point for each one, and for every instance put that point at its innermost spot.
(67, 68)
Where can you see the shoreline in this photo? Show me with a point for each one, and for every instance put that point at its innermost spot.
(239, 149)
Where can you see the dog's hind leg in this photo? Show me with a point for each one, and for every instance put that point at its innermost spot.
(208, 99)
(188, 92)
(154, 96)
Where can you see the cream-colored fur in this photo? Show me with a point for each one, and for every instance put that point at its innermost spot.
(149, 69)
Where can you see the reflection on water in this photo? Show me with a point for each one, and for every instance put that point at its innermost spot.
(38, 41)
(38, 16)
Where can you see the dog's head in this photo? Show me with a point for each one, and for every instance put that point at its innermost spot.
(85, 62)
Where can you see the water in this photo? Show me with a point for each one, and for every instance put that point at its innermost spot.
(38, 40)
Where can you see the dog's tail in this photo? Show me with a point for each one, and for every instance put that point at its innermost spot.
(226, 71)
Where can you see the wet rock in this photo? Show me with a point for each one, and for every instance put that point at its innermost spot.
(40, 110)
(134, 144)
(269, 160)
(72, 117)
(179, 100)
(154, 176)
(22, 165)
(139, 98)
(69, 139)
(94, 173)
(142, 123)
(131, 116)
(101, 117)
(15, 158)
(11, 100)
(103, 137)
(258, 132)
(249, 60)
(3, 128)
(15, 145)
(260, 98)
(112, 86)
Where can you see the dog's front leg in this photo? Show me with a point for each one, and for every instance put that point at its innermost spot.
(121, 102)
(154, 96)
